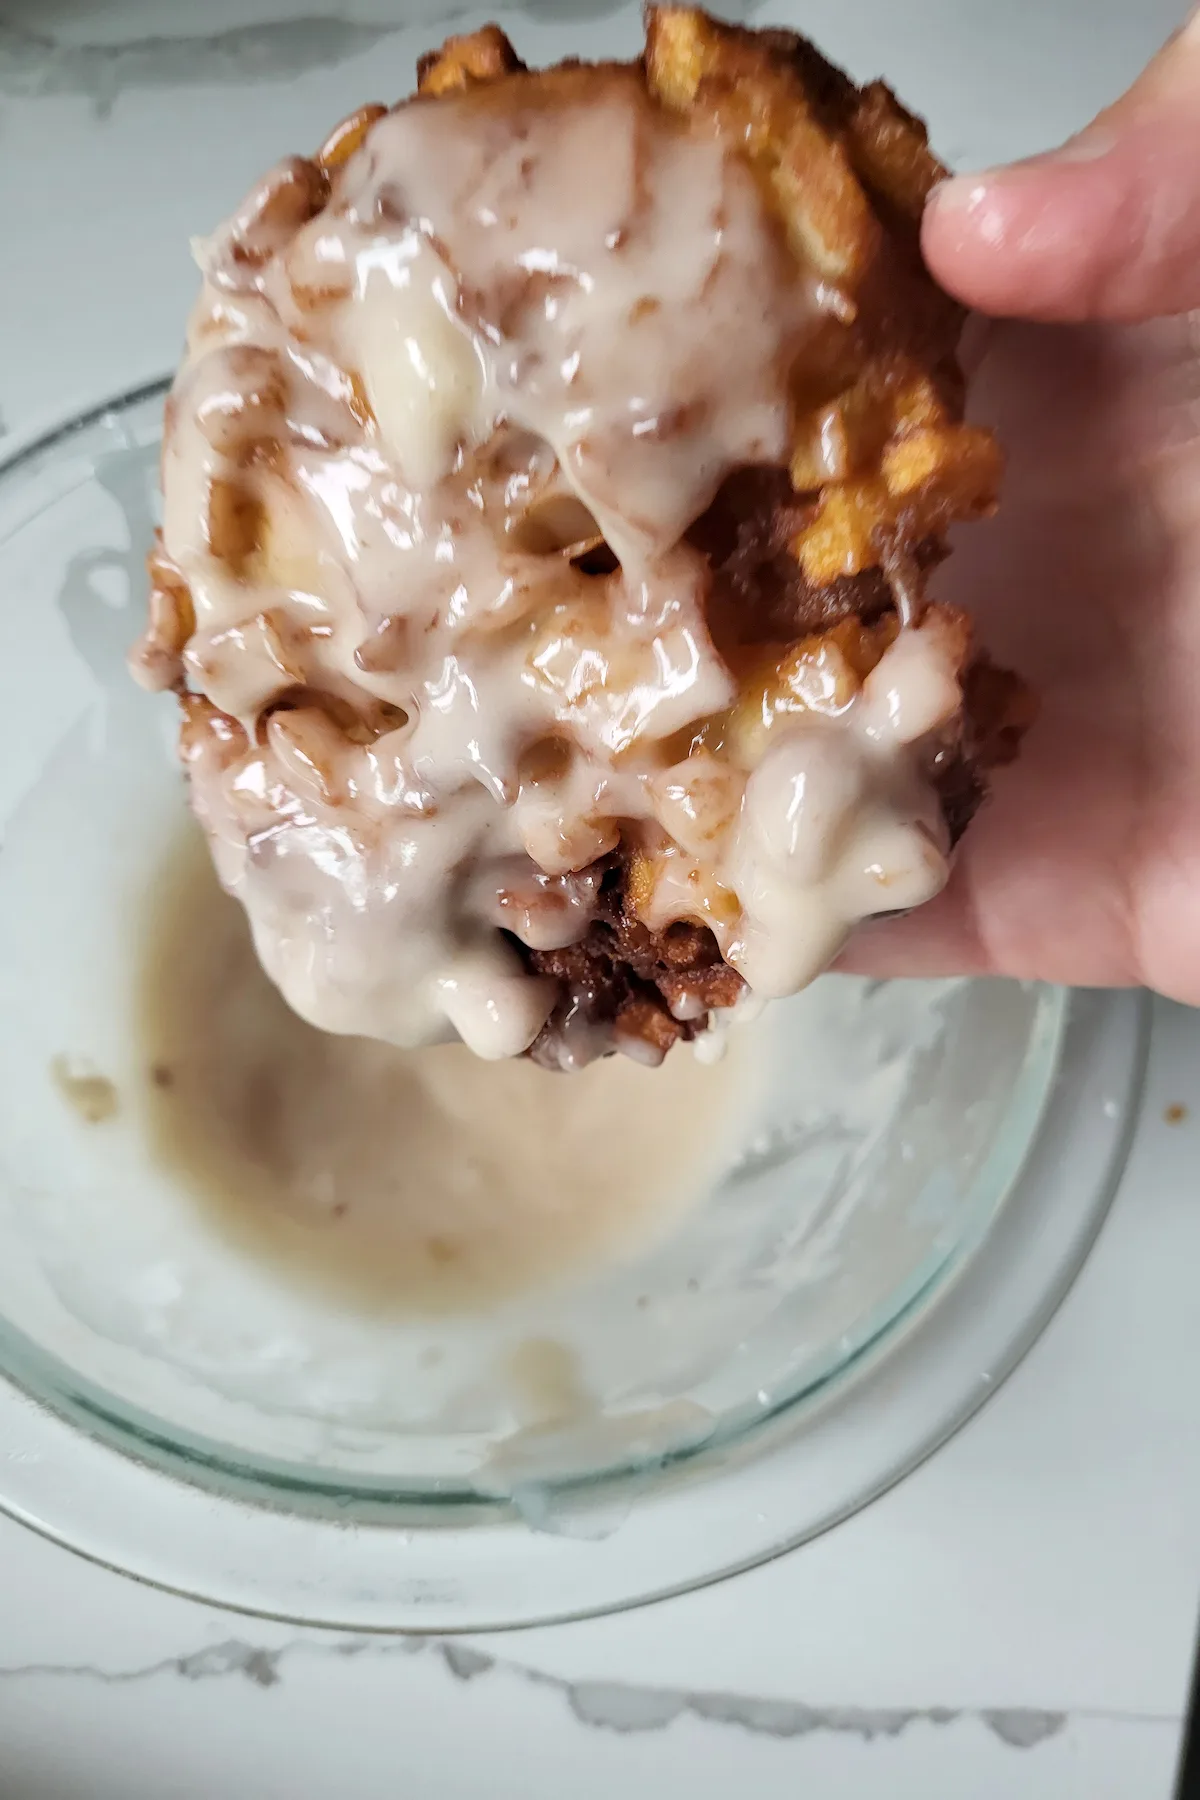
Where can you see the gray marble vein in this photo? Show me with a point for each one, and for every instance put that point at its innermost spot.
(615, 1706)
(33, 64)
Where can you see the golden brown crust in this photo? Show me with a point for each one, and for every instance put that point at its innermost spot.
(157, 660)
(463, 62)
(751, 88)
(348, 136)
(890, 150)
(878, 437)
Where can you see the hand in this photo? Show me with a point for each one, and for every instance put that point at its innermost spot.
(1085, 868)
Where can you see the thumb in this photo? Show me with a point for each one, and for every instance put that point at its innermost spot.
(1108, 227)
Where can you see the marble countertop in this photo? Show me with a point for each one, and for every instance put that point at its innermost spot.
(1016, 1618)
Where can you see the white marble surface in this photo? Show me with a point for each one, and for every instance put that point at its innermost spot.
(1015, 1619)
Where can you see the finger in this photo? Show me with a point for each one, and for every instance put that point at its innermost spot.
(1108, 227)
(938, 939)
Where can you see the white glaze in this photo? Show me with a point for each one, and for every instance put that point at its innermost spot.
(469, 362)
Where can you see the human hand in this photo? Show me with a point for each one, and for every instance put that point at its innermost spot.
(1085, 869)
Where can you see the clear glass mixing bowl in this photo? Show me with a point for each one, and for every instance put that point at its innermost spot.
(818, 1256)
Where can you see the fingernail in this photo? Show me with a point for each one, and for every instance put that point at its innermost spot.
(961, 193)
(973, 198)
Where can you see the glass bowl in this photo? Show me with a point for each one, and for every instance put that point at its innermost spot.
(661, 1325)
